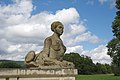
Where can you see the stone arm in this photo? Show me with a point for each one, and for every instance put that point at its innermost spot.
(47, 45)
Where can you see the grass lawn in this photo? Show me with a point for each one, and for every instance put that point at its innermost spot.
(97, 77)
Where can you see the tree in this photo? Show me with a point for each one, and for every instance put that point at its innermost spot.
(116, 22)
(103, 68)
(114, 44)
(85, 65)
(114, 52)
(109, 68)
(73, 57)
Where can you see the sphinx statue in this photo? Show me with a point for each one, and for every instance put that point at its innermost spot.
(53, 51)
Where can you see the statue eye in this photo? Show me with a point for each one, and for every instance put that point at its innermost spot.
(60, 27)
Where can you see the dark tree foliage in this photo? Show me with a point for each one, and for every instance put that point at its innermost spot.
(9, 65)
(113, 47)
(103, 68)
(114, 44)
(85, 65)
(114, 52)
(116, 22)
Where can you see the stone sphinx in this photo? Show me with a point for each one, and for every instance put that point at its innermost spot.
(53, 51)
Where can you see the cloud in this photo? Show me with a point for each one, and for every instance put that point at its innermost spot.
(111, 2)
(3, 46)
(23, 7)
(21, 32)
(91, 2)
(16, 13)
(77, 49)
(18, 51)
(87, 36)
(67, 16)
(102, 1)
(99, 54)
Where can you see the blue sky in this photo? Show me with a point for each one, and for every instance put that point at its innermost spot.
(25, 24)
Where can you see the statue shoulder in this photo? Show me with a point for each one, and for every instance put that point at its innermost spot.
(48, 41)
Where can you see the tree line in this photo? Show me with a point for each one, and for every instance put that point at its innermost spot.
(85, 65)
(11, 64)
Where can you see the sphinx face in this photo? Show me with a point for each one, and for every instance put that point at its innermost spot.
(59, 29)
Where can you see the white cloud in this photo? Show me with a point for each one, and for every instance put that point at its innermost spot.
(77, 49)
(16, 13)
(99, 54)
(18, 51)
(12, 48)
(91, 2)
(23, 7)
(3, 46)
(26, 31)
(67, 16)
(102, 1)
(87, 37)
(76, 29)
(111, 2)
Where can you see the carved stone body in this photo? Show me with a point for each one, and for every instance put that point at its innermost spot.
(52, 54)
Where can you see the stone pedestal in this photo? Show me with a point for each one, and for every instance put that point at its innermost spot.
(38, 74)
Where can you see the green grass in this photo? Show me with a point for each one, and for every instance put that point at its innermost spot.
(97, 77)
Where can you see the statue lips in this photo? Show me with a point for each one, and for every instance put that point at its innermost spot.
(61, 32)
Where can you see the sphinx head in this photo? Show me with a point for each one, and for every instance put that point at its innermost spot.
(57, 27)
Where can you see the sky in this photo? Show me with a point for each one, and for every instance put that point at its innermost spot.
(24, 25)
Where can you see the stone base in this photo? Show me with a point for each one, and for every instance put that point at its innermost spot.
(51, 78)
(38, 74)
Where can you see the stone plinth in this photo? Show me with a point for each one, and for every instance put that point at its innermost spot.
(38, 74)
